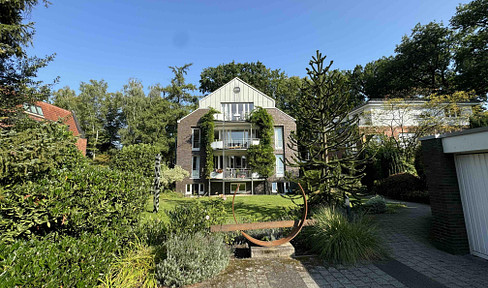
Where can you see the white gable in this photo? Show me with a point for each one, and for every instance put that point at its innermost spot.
(226, 94)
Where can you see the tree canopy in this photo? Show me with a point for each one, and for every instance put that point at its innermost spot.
(17, 70)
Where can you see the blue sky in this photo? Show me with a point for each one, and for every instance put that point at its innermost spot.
(118, 40)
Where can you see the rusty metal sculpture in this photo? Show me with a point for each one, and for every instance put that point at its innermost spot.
(294, 232)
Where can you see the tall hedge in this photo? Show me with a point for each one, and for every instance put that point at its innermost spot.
(29, 150)
(137, 158)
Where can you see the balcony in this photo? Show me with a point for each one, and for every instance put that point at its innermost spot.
(234, 173)
(236, 117)
(234, 143)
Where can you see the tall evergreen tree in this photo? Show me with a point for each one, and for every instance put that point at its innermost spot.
(18, 71)
(327, 143)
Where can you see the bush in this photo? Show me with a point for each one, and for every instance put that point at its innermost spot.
(402, 186)
(85, 199)
(135, 269)
(137, 158)
(192, 259)
(66, 262)
(196, 216)
(30, 150)
(375, 205)
(338, 240)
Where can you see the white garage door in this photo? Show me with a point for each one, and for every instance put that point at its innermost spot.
(472, 172)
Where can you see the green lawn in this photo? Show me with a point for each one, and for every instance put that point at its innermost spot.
(247, 208)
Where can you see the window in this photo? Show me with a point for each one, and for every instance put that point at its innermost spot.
(33, 109)
(188, 189)
(195, 139)
(236, 111)
(278, 134)
(242, 187)
(280, 166)
(195, 174)
(201, 189)
(274, 187)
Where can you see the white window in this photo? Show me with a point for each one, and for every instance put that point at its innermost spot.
(280, 165)
(195, 174)
(242, 187)
(188, 189)
(195, 139)
(278, 134)
(274, 187)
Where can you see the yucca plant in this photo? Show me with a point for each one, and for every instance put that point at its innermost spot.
(340, 241)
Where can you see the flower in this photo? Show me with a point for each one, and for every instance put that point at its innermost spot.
(207, 217)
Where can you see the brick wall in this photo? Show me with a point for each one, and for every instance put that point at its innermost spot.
(184, 151)
(448, 225)
(280, 118)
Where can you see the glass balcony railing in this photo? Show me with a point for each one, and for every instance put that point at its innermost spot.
(231, 117)
(235, 143)
(233, 173)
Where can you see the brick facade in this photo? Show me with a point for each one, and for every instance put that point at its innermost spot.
(184, 152)
(448, 224)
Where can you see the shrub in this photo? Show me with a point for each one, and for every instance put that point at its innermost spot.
(135, 269)
(191, 259)
(137, 158)
(87, 198)
(196, 216)
(375, 205)
(338, 240)
(66, 262)
(30, 149)
(402, 187)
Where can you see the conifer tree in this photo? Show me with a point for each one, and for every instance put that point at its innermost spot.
(327, 144)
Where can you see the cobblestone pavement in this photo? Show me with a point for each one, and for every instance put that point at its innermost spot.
(407, 236)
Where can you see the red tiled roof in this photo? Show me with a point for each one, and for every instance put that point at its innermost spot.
(54, 113)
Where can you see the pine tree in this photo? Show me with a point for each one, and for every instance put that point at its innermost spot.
(327, 144)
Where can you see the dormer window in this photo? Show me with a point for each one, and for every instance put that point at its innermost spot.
(34, 109)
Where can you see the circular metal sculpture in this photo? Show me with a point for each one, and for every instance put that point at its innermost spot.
(294, 232)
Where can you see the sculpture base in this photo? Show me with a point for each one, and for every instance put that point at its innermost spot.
(285, 250)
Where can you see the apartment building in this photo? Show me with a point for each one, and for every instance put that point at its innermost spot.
(233, 136)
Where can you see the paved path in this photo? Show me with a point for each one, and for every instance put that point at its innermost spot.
(415, 263)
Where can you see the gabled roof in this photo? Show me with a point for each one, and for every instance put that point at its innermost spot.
(226, 93)
(54, 113)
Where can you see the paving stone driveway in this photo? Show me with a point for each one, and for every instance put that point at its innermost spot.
(407, 236)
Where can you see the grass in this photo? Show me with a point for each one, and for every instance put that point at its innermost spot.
(247, 208)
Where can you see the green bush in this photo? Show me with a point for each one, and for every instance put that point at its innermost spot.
(65, 262)
(196, 216)
(30, 149)
(375, 205)
(85, 199)
(137, 158)
(191, 259)
(338, 240)
(403, 186)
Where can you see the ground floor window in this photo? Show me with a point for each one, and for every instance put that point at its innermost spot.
(280, 187)
(188, 188)
(242, 187)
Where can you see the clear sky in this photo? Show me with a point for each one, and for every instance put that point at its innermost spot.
(120, 39)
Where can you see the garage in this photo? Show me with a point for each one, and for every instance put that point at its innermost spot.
(456, 166)
(472, 173)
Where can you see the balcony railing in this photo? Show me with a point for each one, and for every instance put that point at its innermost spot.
(234, 173)
(231, 117)
(235, 143)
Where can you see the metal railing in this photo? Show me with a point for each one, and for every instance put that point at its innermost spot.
(237, 173)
